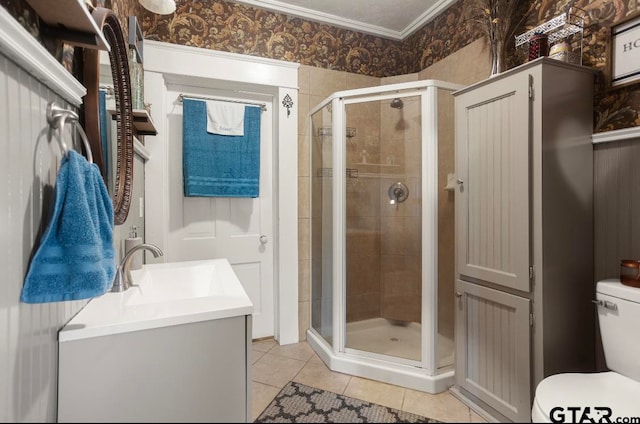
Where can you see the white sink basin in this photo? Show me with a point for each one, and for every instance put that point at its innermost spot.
(170, 282)
(163, 294)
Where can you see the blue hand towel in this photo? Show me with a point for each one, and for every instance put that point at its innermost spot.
(76, 258)
(220, 165)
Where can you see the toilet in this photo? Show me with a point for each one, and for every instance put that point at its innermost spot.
(581, 397)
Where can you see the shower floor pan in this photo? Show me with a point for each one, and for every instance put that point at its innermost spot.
(380, 335)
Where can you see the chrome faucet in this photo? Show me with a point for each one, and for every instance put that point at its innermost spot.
(122, 280)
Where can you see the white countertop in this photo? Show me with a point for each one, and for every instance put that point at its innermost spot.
(165, 294)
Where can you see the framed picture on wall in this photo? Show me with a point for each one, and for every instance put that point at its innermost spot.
(135, 37)
(623, 53)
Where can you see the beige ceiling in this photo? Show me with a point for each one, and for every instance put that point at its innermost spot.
(394, 19)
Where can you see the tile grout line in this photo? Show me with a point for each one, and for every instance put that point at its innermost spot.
(404, 396)
(346, 385)
(267, 384)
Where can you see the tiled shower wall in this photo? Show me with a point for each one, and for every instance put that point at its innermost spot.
(401, 224)
(315, 85)
(28, 167)
(363, 212)
(455, 68)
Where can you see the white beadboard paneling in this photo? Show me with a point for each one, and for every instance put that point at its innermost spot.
(29, 78)
(9, 345)
(28, 168)
(617, 205)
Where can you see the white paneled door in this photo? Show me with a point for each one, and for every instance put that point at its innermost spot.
(239, 229)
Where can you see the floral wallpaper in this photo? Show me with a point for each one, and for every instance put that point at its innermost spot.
(441, 37)
(236, 28)
(614, 109)
(233, 27)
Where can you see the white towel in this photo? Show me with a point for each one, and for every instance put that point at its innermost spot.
(225, 118)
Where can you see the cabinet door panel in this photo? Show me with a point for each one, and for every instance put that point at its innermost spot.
(492, 202)
(493, 349)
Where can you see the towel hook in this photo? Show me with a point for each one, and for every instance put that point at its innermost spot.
(57, 117)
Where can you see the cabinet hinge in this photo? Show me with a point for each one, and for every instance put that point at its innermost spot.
(531, 274)
(531, 319)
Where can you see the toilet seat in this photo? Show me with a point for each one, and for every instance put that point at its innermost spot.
(603, 389)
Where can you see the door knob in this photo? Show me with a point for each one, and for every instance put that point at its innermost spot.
(264, 239)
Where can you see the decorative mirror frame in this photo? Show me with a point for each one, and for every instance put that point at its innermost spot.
(110, 26)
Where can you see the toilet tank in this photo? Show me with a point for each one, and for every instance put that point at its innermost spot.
(619, 318)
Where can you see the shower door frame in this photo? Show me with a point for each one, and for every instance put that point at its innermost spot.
(419, 375)
(429, 212)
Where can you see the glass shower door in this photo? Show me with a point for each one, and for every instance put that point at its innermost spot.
(383, 291)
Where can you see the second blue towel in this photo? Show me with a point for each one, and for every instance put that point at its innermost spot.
(220, 165)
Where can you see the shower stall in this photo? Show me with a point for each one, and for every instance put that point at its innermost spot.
(382, 214)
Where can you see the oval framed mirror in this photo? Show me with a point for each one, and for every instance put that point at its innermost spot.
(122, 164)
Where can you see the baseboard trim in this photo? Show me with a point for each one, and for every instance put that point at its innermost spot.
(486, 412)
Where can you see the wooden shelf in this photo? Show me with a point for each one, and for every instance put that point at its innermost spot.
(143, 123)
(70, 20)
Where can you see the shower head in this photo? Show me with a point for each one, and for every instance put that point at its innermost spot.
(397, 103)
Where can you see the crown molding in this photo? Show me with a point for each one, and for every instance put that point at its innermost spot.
(353, 25)
(426, 17)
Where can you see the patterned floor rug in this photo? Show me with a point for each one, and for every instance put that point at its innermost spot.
(297, 403)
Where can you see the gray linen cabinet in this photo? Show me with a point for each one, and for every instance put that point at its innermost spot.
(524, 233)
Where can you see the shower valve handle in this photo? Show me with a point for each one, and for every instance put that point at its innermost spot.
(398, 193)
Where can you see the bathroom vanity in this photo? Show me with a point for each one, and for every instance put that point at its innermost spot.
(176, 347)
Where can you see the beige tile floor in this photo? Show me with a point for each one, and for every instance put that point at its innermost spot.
(275, 365)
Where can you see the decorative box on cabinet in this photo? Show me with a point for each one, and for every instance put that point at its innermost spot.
(524, 233)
